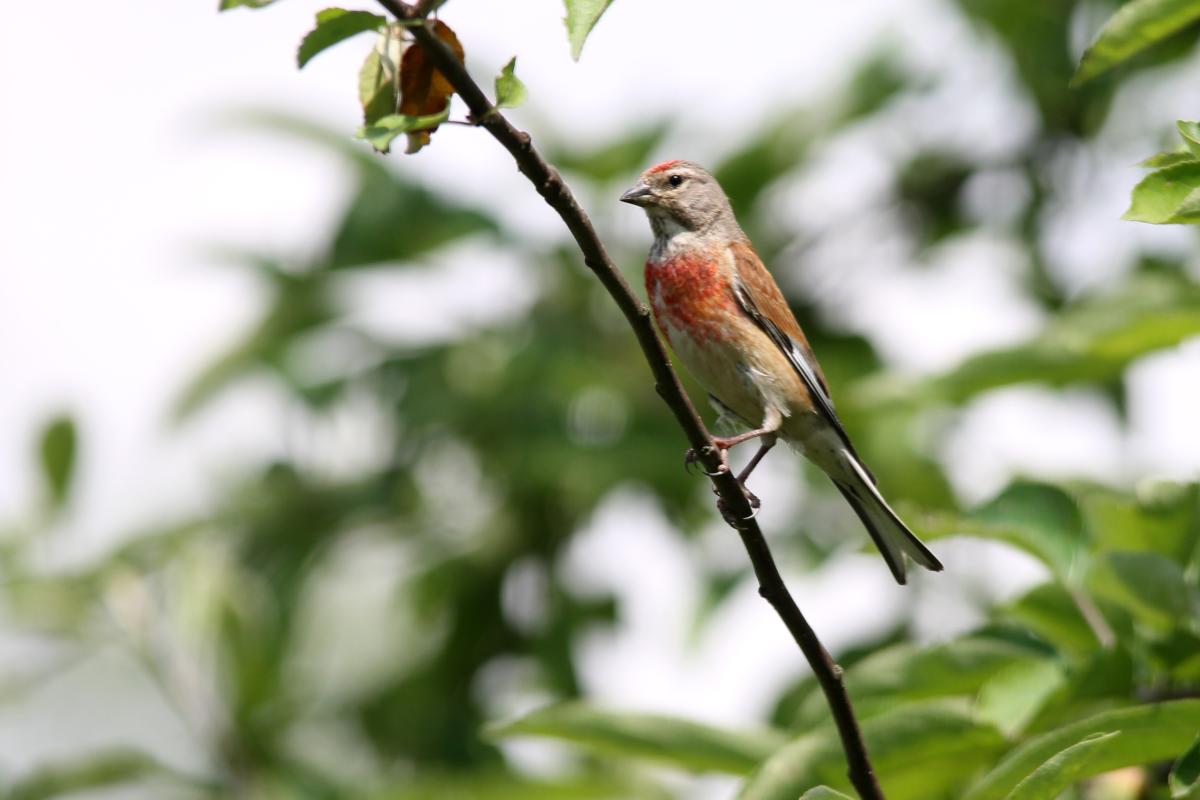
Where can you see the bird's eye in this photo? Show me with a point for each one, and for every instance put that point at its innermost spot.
(675, 180)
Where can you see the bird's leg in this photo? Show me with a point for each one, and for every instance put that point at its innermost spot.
(725, 443)
(768, 441)
(772, 420)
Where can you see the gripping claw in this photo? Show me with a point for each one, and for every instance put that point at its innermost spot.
(733, 521)
(691, 457)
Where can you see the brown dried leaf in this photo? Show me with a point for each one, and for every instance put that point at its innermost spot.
(423, 89)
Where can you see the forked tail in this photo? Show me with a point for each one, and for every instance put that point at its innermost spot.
(891, 535)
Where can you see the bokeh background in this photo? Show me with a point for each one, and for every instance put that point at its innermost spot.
(313, 462)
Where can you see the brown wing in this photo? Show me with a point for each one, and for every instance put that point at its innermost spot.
(769, 300)
(759, 296)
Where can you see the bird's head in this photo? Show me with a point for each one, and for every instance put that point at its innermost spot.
(681, 194)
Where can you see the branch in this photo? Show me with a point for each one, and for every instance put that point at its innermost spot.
(735, 505)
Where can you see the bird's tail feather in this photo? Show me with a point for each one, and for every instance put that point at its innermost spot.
(891, 535)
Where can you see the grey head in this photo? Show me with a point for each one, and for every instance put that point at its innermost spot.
(682, 196)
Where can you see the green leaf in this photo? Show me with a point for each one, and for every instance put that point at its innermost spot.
(1038, 518)
(907, 672)
(1190, 131)
(1042, 519)
(1167, 196)
(582, 16)
(91, 772)
(1098, 681)
(510, 91)
(336, 25)
(495, 784)
(1061, 770)
(823, 793)
(1159, 518)
(1050, 612)
(1169, 159)
(1189, 210)
(1013, 697)
(785, 774)
(1185, 775)
(228, 4)
(684, 744)
(378, 78)
(57, 451)
(1149, 733)
(1134, 27)
(383, 131)
(1151, 587)
(919, 750)
(376, 88)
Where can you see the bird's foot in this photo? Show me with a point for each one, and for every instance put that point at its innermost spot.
(755, 503)
(751, 498)
(691, 458)
(733, 520)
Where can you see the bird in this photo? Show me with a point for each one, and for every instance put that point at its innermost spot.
(727, 321)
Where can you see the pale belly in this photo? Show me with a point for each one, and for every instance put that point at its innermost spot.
(751, 376)
(746, 375)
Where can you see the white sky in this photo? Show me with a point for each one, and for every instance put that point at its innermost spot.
(114, 179)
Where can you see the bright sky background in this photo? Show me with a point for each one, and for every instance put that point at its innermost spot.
(115, 178)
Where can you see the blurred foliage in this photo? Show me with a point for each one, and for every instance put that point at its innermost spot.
(694, 746)
(496, 446)
(1136, 26)
(1093, 341)
(58, 458)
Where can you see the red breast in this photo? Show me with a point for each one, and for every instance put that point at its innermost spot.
(691, 293)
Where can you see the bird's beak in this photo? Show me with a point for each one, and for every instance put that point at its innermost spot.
(639, 195)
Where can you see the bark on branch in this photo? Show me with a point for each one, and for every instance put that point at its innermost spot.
(550, 185)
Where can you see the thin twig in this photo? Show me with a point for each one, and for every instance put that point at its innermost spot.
(736, 507)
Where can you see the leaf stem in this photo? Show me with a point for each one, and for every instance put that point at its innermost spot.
(1094, 617)
(732, 498)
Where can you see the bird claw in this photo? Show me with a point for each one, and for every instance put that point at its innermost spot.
(755, 503)
(734, 521)
(691, 458)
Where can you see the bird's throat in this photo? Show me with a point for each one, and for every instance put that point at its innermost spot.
(671, 239)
